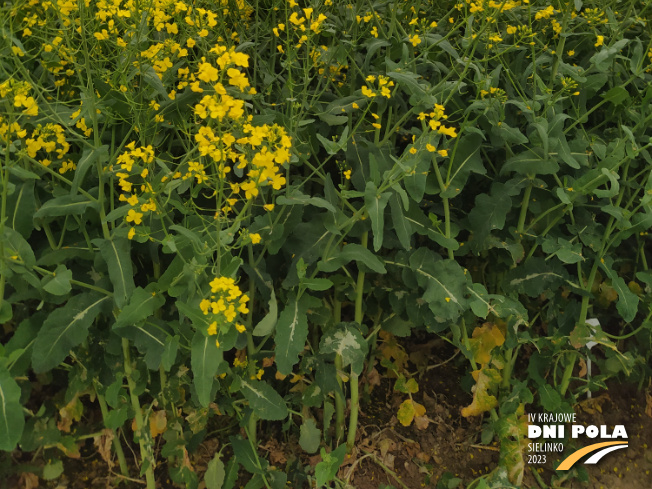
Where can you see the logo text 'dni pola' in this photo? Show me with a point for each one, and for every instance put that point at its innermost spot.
(549, 426)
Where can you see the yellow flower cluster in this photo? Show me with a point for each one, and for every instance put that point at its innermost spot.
(136, 161)
(434, 119)
(494, 92)
(18, 94)
(50, 139)
(384, 85)
(303, 24)
(223, 306)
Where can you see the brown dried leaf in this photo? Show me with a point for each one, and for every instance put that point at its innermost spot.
(421, 422)
(268, 361)
(28, 480)
(583, 370)
(103, 444)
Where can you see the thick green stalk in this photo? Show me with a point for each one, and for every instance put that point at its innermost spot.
(524, 205)
(339, 399)
(447, 212)
(145, 448)
(355, 399)
(251, 348)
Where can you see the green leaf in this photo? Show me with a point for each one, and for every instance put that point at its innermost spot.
(245, 455)
(89, 157)
(142, 304)
(65, 328)
(117, 255)
(53, 470)
(530, 162)
(333, 147)
(402, 226)
(445, 284)
(21, 207)
(348, 253)
(267, 324)
(298, 198)
(310, 436)
(326, 470)
(376, 204)
(318, 284)
(64, 206)
(490, 212)
(346, 341)
(627, 304)
(264, 400)
(214, 476)
(291, 334)
(12, 420)
(59, 283)
(205, 357)
(16, 247)
(550, 398)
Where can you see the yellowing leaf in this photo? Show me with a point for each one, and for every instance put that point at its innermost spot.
(71, 412)
(486, 379)
(484, 339)
(406, 413)
(158, 423)
(409, 410)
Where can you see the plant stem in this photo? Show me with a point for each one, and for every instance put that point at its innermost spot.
(145, 447)
(355, 400)
(251, 348)
(339, 396)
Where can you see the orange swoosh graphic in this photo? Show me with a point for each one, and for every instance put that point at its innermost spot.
(574, 457)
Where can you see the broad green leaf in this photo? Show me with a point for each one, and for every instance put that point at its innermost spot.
(627, 304)
(214, 476)
(530, 162)
(267, 324)
(550, 398)
(17, 248)
(401, 225)
(117, 255)
(59, 283)
(65, 328)
(297, 198)
(12, 419)
(348, 253)
(142, 304)
(21, 207)
(375, 204)
(489, 212)
(603, 58)
(347, 341)
(89, 157)
(52, 470)
(245, 455)
(169, 354)
(536, 276)
(326, 470)
(445, 284)
(264, 400)
(318, 284)
(291, 334)
(205, 357)
(64, 206)
(333, 147)
(310, 436)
